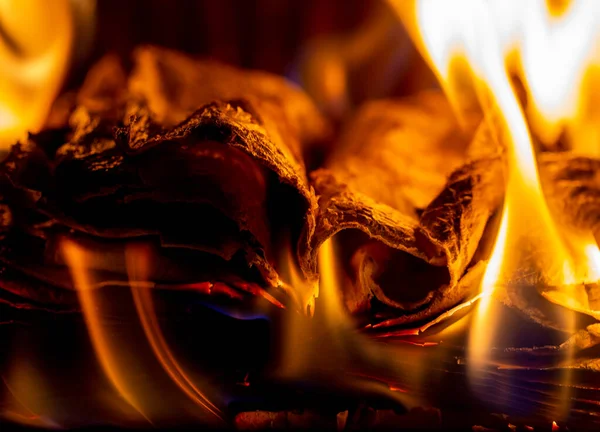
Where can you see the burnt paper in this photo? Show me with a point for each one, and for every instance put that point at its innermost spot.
(200, 161)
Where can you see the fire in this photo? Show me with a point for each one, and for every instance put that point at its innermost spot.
(477, 49)
(554, 52)
(327, 348)
(126, 357)
(106, 347)
(138, 260)
(560, 45)
(35, 45)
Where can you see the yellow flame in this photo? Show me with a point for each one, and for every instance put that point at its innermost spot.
(328, 346)
(295, 346)
(35, 45)
(329, 284)
(552, 52)
(333, 321)
(302, 292)
(558, 51)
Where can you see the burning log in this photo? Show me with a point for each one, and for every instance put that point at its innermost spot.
(199, 160)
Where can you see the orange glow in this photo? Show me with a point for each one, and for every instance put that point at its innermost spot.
(553, 52)
(35, 46)
(138, 260)
(106, 351)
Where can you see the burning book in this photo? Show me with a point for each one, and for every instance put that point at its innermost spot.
(234, 169)
(444, 245)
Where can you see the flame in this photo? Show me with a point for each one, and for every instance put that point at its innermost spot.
(326, 347)
(138, 259)
(126, 357)
(105, 346)
(329, 282)
(327, 321)
(553, 51)
(35, 44)
(560, 46)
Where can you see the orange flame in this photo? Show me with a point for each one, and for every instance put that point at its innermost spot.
(124, 355)
(138, 259)
(108, 354)
(328, 346)
(553, 51)
(35, 45)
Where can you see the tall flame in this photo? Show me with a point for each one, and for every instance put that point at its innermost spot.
(124, 354)
(107, 349)
(327, 348)
(138, 262)
(35, 45)
(553, 51)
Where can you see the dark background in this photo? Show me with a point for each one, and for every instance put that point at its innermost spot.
(262, 34)
(271, 35)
